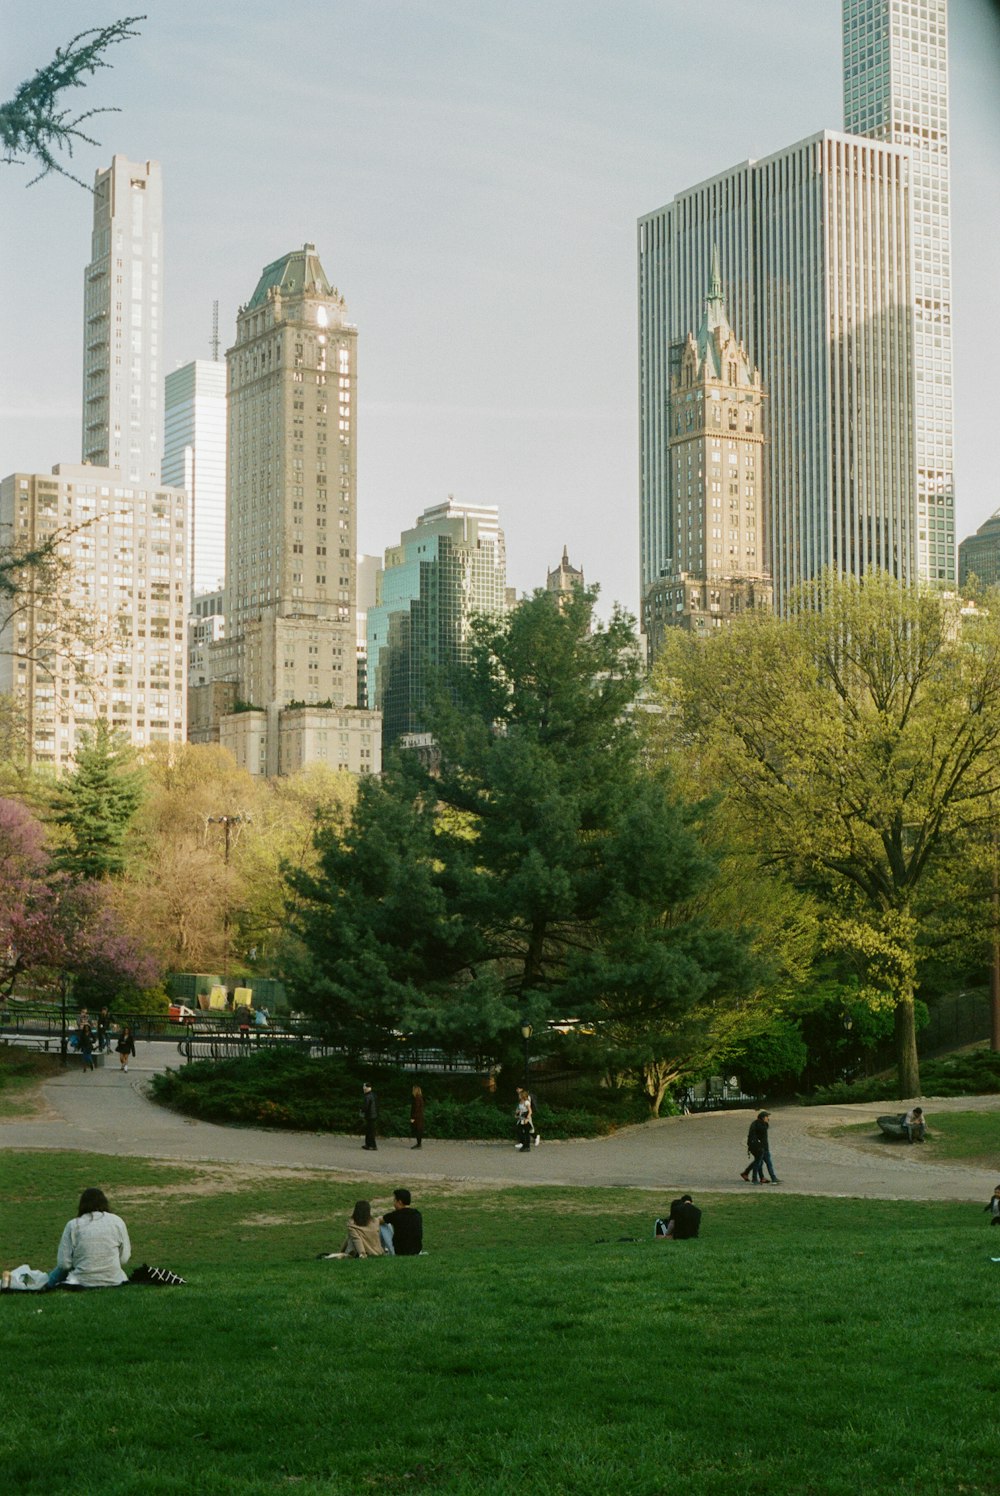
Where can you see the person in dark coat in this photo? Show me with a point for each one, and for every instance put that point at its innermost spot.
(756, 1147)
(406, 1226)
(417, 1116)
(85, 1045)
(369, 1116)
(684, 1219)
(993, 1206)
(125, 1046)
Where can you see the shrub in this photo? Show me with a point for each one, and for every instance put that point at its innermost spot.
(274, 1088)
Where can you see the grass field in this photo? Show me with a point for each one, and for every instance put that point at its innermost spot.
(800, 1346)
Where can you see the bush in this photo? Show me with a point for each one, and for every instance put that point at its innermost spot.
(972, 1073)
(274, 1088)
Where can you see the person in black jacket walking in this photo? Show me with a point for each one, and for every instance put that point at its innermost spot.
(369, 1116)
(757, 1148)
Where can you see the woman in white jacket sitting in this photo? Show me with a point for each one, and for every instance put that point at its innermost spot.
(94, 1247)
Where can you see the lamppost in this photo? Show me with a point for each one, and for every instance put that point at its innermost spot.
(526, 1035)
(227, 822)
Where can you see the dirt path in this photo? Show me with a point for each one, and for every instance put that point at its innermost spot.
(110, 1113)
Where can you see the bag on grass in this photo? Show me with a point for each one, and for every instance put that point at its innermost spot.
(160, 1275)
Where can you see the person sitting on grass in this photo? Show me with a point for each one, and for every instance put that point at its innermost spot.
(993, 1206)
(94, 1247)
(403, 1227)
(684, 1219)
(363, 1234)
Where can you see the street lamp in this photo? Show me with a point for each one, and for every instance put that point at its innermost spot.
(526, 1035)
(227, 822)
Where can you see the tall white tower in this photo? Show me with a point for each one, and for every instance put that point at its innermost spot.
(896, 90)
(194, 458)
(123, 300)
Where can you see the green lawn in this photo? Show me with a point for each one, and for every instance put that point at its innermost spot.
(519, 1356)
(973, 1137)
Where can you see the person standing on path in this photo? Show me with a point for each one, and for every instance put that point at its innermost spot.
(417, 1116)
(104, 1030)
(369, 1116)
(125, 1046)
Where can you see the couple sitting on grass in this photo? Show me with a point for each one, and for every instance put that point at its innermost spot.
(400, 1233)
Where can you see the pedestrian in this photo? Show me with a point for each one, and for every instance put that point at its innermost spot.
(85, 1045)
(914, 1125)
(993, 1206)
(104, 1029)
(417, 1116)
(759, 1150)
(403, 1227)
(243, 1017)
(523, 1121)
(369, 1116)
(125, 1046)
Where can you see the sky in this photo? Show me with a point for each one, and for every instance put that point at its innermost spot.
(471, 173)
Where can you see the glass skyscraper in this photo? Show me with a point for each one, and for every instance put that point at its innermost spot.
(896, 90)
(194, 458)
(835, 268)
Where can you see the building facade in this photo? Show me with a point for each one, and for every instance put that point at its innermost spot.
(979, 554)
(814, 259)
(716, 448)
(110, 641)
(194, 458)
(564, 579)
(449, 567)
(122, 344)
(896, 90)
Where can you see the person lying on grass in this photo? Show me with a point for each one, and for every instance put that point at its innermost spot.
(363, 1235)
(94, 1247)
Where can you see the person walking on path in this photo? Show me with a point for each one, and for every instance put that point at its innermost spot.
(417, 1116)
(85, 1045)
(125, 1046)
(369, 1116)
(523, 1121)
(763, 1121)
(104, 1029)
(756, 1147)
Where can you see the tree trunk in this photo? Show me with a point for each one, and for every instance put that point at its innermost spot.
(907, 1064)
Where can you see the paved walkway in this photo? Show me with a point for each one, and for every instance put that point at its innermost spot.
(109, 1112)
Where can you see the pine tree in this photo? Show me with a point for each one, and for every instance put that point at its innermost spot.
(96, 803)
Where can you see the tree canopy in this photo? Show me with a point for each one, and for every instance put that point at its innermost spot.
(536, 869)
(857, 740)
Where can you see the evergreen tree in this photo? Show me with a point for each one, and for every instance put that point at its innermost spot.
(96, 803)
(536, 870)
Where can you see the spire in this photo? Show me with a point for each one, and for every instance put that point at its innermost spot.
(714, 329)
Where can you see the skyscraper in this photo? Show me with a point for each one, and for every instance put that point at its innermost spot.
(194, 458)
(896, 90)
(450, 566)
(716, 451)
(814, 257)
(834, 261)
(123, 298)
(290, 524)
(108, 641)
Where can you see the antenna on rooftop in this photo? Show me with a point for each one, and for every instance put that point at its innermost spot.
(215, 331)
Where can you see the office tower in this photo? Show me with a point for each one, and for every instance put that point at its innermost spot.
(194, 458)
(367, 571)
(288, 664)
(110, 641)
(715, 459)
(896, 90)
(814, 257)
(449, 567)
(979, 554)
(123, 298)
